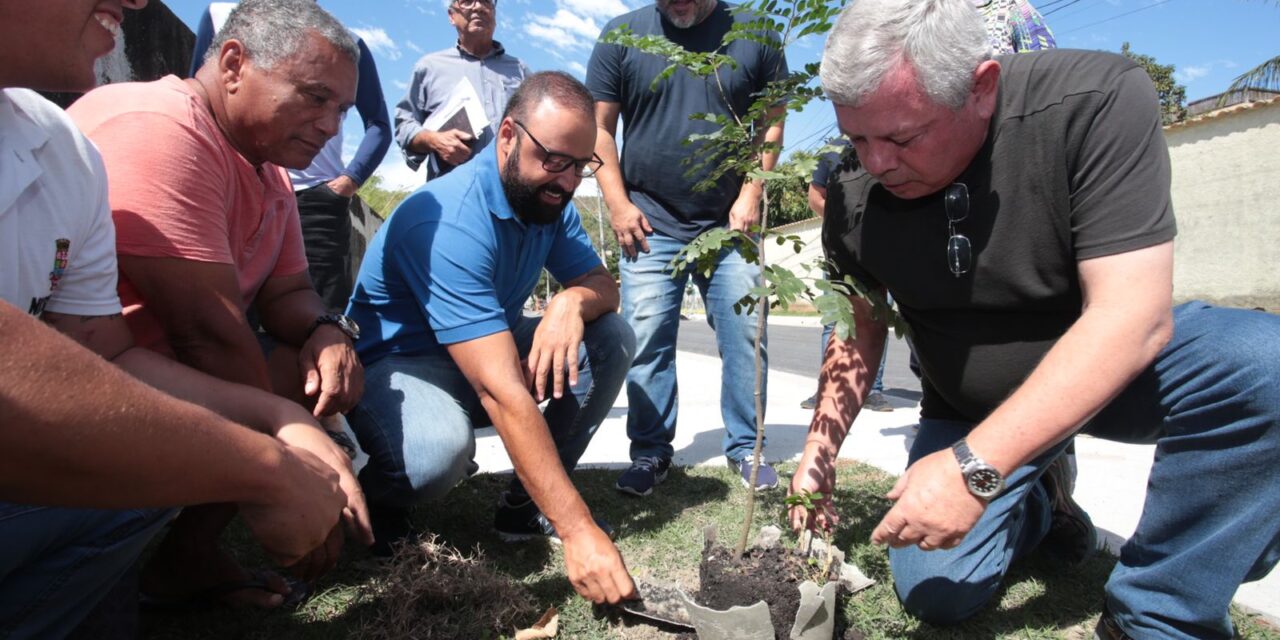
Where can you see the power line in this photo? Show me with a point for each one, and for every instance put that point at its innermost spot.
(1115, 17)
(1058, 8)
(1077, 10)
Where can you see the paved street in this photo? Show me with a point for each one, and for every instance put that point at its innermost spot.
(794, 349)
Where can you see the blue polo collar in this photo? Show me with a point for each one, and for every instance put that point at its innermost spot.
(489, 179)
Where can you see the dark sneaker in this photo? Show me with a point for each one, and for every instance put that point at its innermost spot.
(646, 472)
(810, 403)
(877, 402)
(1072, 537)
(524, 521)
(766, 478)
(391, 528)
(1107, 628)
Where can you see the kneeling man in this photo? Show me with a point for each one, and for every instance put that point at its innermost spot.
(447, 349)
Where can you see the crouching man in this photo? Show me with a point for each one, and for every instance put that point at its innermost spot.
(447, 349)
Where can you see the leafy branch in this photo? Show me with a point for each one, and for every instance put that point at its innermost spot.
(734, 145)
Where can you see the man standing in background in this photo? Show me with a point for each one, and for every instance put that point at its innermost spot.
(655, 213)
(476, 60)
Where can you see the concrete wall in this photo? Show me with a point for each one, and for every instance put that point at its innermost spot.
(364, 224)
(1226, 195)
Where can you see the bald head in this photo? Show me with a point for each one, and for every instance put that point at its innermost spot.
(559, 87)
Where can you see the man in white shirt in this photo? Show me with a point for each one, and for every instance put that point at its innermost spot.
(96, 456)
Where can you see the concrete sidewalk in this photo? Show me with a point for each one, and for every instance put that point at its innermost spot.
(1111, 484)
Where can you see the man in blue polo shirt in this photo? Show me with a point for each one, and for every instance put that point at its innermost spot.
(447, 349)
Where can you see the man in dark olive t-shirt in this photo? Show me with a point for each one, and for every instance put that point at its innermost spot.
(1018, 210)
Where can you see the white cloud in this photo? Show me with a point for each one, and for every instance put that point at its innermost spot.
(397, 176)
(603, 9)
(577, 68)
(378, 42)
(564, 29)
(1189, 74)
(412, 46)
(401, 84)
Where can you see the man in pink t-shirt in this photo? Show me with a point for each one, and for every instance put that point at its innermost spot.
(207, 227)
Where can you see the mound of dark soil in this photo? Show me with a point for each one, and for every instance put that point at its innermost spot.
(773, 575)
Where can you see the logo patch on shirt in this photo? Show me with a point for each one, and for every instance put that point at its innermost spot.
(62, 249)
(61, 257)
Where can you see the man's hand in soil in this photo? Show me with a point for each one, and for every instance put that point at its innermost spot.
(815, 474)
(595, 567)
(934, 508)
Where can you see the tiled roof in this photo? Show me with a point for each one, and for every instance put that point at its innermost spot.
(1225, 111)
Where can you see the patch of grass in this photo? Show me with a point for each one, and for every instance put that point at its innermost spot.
(661, 538)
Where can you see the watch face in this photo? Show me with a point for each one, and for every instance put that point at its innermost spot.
(350, 326)
(985, 483)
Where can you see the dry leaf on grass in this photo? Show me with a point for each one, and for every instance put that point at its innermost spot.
(544, 629)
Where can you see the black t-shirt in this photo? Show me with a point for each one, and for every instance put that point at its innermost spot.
(1074, 167)
(829, 163)
(656, 121)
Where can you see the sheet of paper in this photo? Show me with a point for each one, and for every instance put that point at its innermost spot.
(463, 98)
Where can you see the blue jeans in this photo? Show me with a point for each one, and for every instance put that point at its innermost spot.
(57, 563)
(651, 296)
(418, 414)
(878, 384)
(1210, 403)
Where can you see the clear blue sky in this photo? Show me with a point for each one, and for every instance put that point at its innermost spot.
(1209, 41)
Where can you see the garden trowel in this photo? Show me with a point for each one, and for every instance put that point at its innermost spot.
(659, 602)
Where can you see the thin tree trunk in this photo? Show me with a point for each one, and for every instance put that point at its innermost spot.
(762, 313)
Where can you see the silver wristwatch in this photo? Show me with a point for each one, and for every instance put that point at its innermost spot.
(982, 479)
(343, 323)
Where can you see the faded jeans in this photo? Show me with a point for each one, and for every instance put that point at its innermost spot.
(57, 563)
(418, 414)
(1210, 403)
(651, 299)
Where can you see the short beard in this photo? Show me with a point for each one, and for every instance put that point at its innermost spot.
(702, 9)
(524, 197)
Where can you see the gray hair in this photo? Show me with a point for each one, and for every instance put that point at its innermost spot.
(274, 30)
(943, 40)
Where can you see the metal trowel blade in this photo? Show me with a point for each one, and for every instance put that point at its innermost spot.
(658, 602)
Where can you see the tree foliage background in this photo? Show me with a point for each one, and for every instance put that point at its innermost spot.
(1173, 96)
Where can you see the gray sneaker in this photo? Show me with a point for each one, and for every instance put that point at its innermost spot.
(1072, 537)
(877, 402)
(766, 477)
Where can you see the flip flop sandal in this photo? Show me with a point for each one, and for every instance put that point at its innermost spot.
(215, 595)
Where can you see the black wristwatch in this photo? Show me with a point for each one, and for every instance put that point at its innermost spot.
(982, 479)
(343, 323)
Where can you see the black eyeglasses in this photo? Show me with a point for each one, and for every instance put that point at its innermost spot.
(471, 4)
(557, 162)
(959, 251)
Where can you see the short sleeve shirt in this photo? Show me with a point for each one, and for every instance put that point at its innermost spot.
(455, 263)
(829, 163)
(1074, 167)
(179, 189)
(57, 244)
(656, 120)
